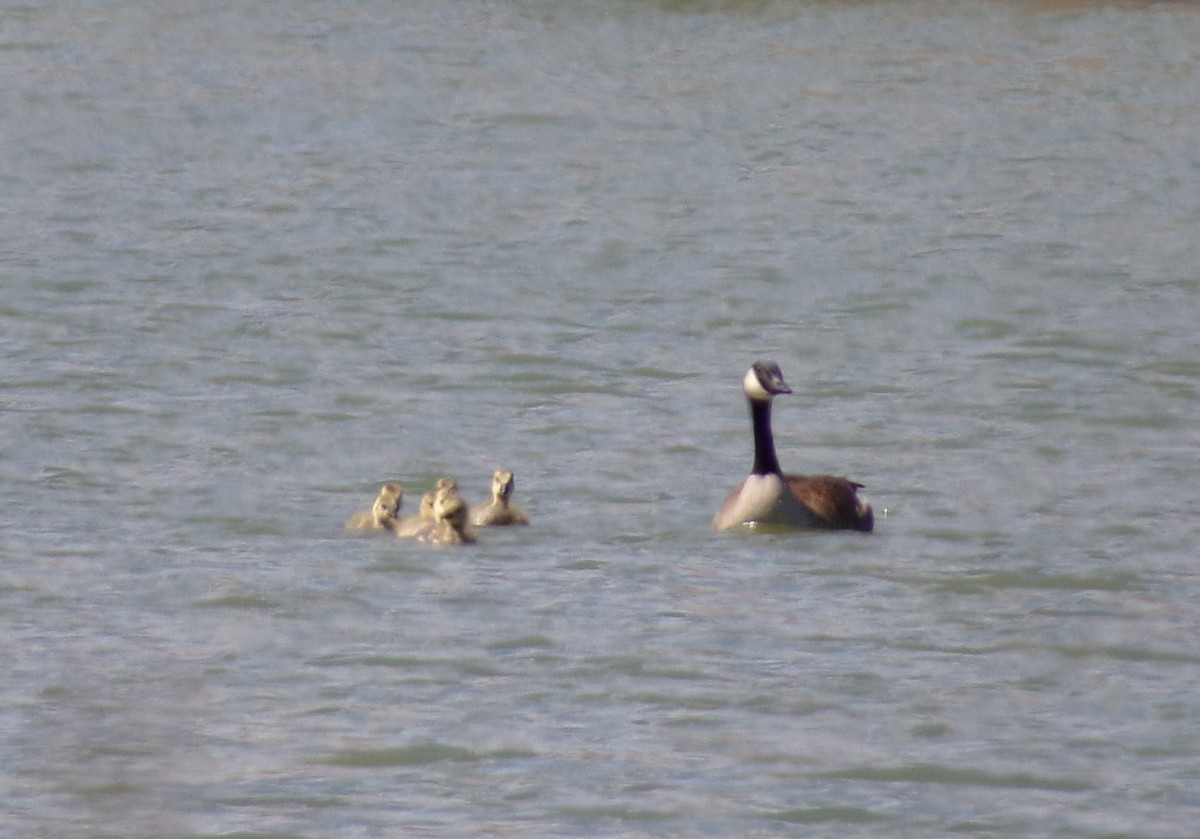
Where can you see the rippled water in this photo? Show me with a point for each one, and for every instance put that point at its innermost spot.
(257, 260)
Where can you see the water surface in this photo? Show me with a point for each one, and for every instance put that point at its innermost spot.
(257, 261)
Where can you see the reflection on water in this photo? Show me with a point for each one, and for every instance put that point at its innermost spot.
(259, 261)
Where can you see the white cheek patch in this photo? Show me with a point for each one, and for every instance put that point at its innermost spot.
(753, 387)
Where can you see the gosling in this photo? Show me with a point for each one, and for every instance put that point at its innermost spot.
(500, 511)
(383, 513)
(450, 517)
(423, 521)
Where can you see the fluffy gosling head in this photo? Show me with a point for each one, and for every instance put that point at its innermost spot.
(425, 510)
(387, 505)
(449, 507)
(503, 484)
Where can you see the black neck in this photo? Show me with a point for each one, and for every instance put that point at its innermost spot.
(765, 461)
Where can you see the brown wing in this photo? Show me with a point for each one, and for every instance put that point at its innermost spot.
(833, 501)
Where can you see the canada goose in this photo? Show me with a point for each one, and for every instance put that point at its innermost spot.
(768, 496)
(382, 515)
(415, 525)
(450, 515)
(500, 511)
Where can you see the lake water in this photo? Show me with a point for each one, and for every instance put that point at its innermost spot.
(257, 259)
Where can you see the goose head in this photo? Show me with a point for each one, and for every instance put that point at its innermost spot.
(425, 510)
(429, 499)
(764, 381)
(387, 505)
(502, 484)
(448, 506)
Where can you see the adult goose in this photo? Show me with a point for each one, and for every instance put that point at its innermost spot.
(770, 497)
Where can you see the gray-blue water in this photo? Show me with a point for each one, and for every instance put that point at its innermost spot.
(256, 259)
